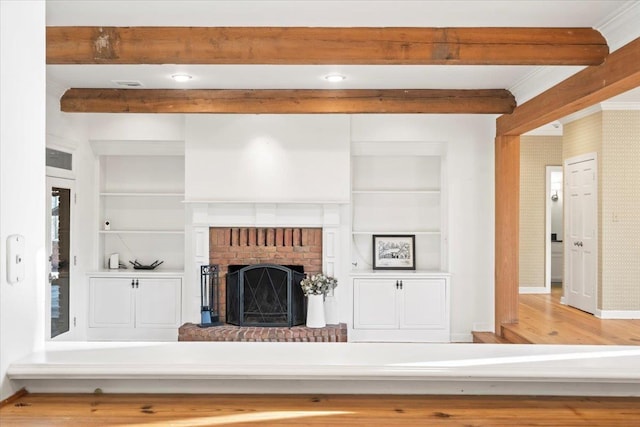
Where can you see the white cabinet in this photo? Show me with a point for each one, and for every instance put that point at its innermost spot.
(557, 261)
(399, 189)
(401, 307)
(140, 197)
(134, 308)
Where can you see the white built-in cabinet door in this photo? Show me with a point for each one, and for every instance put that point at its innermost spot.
(399, 303)
(422, 303)
(111, 303)
(135, 302)
(375, 304)
(158, 303)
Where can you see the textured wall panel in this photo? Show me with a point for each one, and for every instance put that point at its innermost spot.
(536, 152)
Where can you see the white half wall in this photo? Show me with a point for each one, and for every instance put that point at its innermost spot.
(267, 158)
(22, 181)
(470, 183)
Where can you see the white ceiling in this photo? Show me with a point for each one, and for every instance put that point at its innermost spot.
(521, 80)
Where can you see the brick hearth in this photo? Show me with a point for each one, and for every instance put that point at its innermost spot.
(332, 333)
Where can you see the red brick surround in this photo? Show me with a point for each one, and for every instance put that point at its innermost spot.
(250, 245)
(333, 333)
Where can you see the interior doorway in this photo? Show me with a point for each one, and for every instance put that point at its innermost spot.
(59, 319)
(554, 230)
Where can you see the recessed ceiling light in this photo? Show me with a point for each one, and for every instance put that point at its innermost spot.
(335, 77)
(181, 78)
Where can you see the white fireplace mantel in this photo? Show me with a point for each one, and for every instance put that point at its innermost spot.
(201, 215)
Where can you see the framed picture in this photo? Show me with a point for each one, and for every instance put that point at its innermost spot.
(394, 252)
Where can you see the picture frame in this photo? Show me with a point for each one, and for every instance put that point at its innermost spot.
(394, 252)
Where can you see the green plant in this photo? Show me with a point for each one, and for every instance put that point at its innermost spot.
(318, 284)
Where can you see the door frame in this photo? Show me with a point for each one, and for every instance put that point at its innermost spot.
(69, 183)
(547, 226)
(566, 225)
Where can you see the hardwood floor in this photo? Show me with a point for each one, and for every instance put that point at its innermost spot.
(321, 410)
(544, 320)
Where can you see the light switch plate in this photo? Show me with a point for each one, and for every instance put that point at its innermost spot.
(15, 258)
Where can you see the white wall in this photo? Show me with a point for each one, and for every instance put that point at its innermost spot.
(267, 158)
(470, 183)
(22, 182)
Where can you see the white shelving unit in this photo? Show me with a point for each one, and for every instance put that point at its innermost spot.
(399, 188)
(141, 197)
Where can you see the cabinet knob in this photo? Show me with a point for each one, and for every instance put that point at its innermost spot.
(136, 283)
(132, 283)
(400, 284)
(397, 284)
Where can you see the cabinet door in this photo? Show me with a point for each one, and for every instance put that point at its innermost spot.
(374, 304)
(423, 304)
(111, 303)
(158, 303)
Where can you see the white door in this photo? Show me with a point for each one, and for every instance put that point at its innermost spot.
(422, 303)
(374, 304)
(60, 320)
(158, 303)
(111, 303)
(581, 242)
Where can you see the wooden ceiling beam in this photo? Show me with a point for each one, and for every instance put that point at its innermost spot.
(619, 73)
(354, 101)
(325, 45)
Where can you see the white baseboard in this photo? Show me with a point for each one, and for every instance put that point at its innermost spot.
(461, 338)
(618, 314)
(483, 327)
(534, 290)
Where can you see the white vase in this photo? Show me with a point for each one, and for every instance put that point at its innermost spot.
(315, 311)
(331, 310)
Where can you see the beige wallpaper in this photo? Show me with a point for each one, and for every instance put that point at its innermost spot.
(536, 152)
(620, 214)
(615, 137)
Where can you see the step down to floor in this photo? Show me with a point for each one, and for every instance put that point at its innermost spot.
(512, 335)
(488, 338)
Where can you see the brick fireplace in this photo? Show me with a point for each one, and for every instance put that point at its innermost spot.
(260, 245)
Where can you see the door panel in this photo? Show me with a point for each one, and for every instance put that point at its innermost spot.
(158, 303)
(375, 304)
(111, 303)
(423, 304)
(59, 292)
(581, 245)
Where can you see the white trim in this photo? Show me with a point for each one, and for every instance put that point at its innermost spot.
(539, 80)
(461, 338)
(580, 114)
(618, 314)
(619, 106)
(550, 129)
(547, 226)
(621, 26)
(534, 290)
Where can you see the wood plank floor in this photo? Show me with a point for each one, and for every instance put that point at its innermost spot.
(544, 320)
(321, 410)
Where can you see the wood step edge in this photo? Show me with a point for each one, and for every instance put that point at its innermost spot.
(488, 338)
(513, 336)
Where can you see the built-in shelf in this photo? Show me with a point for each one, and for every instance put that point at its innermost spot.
(142, 194)
(141, 231)
(387, 232)
(140, 202)
(395, 192)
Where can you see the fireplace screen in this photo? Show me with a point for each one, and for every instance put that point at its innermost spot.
(265, 295)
